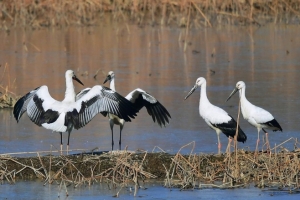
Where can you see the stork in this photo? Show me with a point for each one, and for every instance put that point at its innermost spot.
(256, 116)
(139, 99)
(64, 116)
(216, 118)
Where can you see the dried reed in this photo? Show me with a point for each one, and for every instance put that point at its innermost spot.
(276, 168)
(43, 13)
(273, 168)
(7, 97)
(118, 170)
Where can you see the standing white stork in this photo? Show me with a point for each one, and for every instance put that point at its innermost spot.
(139, 99)
(63, 116)
(215, 117)
(256, 116)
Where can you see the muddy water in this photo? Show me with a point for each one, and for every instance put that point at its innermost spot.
(266, 58)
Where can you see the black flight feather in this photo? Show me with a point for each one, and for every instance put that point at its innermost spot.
(274, 125)
(229, 129)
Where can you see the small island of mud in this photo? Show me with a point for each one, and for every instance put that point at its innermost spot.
(275, 167)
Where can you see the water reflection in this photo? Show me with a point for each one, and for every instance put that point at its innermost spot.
(266, 58)
(36, 190)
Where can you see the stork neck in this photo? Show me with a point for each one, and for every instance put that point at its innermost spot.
(242, 94)
(70, 90)
(245, 104)
(203, 96)
(112, 84)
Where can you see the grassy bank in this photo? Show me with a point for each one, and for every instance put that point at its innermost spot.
(274, 168)
(197, 13)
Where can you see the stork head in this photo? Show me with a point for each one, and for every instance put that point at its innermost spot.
(110, 76)
(239, 85)
(71, 74)
(198, 83)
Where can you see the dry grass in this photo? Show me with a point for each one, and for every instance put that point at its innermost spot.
(274, 168)
(116, 170)
(39, 13)
(7, 97)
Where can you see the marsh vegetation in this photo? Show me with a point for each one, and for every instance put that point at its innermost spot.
(270, 168)
(196, 13)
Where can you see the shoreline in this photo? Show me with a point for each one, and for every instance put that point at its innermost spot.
(228, 170)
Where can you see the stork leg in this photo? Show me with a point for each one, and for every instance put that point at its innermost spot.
(267, 140)
(61, 143)
(111, 123)
(121, 128)
(257, 141)
(229, 145)
(69, 133)
(219, 143)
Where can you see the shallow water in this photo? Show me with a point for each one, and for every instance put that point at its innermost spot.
(36, 190)
(266, 58)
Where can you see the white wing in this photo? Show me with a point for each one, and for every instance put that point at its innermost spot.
(261, 116)
(215, 114)
(21, 105)
(100, 99)
(82, 93)
(41, 107)
(33, 102)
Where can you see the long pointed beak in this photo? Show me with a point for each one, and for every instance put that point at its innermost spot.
(107, 79)
(191, 92)
(76, 79)
(232, 93)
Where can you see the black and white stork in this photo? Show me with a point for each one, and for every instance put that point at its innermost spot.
(139, 99)
(64, 116)
(215, 117)
(256, 116)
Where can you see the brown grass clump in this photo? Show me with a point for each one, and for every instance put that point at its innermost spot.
(116, 169)
(7, 97)
(266, 169)
(275, 168)
(38, 13)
